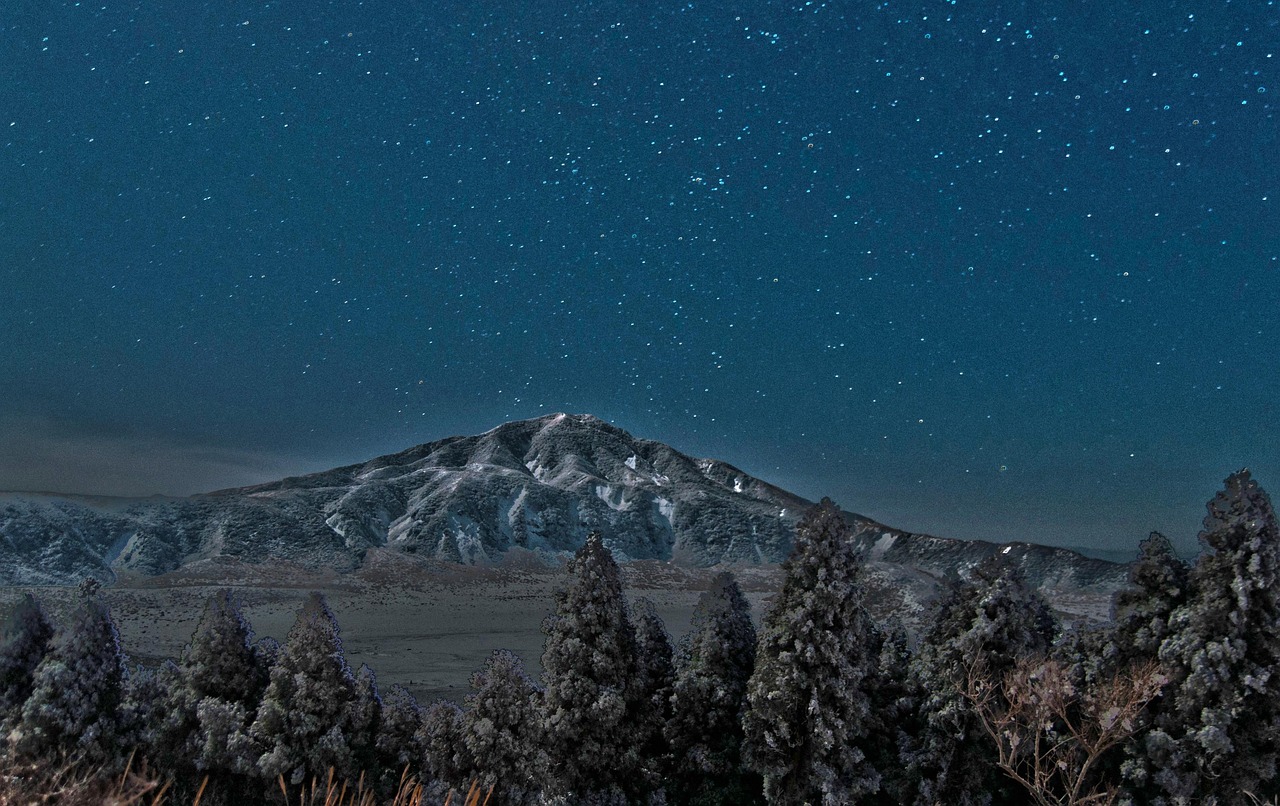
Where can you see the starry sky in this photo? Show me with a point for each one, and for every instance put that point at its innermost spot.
(1007, 270)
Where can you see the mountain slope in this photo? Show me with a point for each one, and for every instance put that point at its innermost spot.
(539, 484)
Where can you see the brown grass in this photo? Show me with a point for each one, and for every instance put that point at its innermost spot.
(68, 783)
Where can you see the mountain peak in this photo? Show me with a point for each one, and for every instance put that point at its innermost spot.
(541, 485)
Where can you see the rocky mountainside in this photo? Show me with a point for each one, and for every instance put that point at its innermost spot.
(539, 484)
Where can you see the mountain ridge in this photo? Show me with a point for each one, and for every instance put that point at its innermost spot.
(540, 484)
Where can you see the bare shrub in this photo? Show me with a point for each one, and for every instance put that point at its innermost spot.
(1050, 736)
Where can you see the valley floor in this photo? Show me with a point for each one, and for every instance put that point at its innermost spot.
(426, 626)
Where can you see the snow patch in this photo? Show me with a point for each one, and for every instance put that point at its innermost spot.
(615, 499)
(882, 545)
(466, 534)
(1006, 549)
(665, 508)
(737, 484)
(631, 462)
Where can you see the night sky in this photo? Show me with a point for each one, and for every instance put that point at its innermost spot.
(984, 269)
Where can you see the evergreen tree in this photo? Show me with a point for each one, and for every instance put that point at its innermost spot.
(1214, 738)
(1158, 585)
(221, 661)
(397, 742)
(895, 704)
(588, 662)
(500, 730)
(996, 619)
(210, 698)
(142, 708)
(366, 726)
(304, 724)
(74, 706)
(808, 701)
(714, 663)
(650, 698)
(444, 757)
(23, 644)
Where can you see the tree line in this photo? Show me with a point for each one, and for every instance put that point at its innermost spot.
(1176, 701)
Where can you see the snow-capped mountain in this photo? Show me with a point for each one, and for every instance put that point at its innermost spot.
(540, 484)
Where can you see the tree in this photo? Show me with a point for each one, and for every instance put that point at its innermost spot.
(1141, 613)
(23, 644)
(74, 706)
(895, 705)
(366, 725)
(444, 756)
(1214, 737)
(808, 700)
(304, 723)
(397, 742)
(500, 730)
(998, 618)
(713, 666)
(650, 697)
(221, 661)
(588, 660)
(210, 697)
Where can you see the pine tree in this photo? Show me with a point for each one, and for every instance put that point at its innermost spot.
(714, 662)
(808, 714)
(74, 706)
(23, 644)
(650, 698)
(444, 757)
(304, 723)
(397, 742)
(210, 698)
(895, 704)
(220, 661)
(500, 730)
(996, 619)
(1158, 585)
(588, 662)
(1214, 738)
(366, 725)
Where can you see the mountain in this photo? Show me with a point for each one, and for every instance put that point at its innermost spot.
(539, 484)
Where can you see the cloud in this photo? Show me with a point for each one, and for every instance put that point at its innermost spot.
(39, 453)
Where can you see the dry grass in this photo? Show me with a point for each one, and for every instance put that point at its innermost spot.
(71, 784)
(68, 783)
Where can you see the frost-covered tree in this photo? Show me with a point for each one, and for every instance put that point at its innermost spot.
(397, 742)
(713, 664)
(1158, 585)
(77, 688)
(650, 697)
(366, 725)
(305, 722)
(588, 664)
(444, 757)
(500, 730)
(995, 619)
(142, 708)
(895, 703)
(808, 701)
(23, 644)
(1214, 737)
(221, 661)
(210, 697)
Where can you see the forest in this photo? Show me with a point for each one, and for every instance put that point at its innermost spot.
(1175, 701)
